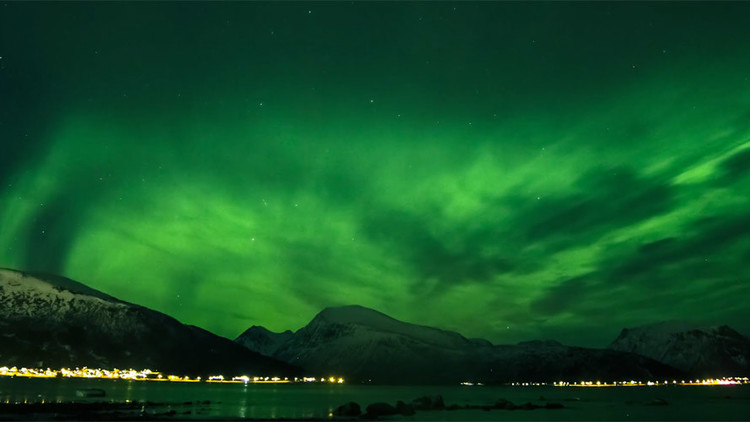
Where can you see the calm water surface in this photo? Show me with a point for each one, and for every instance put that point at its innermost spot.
(316, 401)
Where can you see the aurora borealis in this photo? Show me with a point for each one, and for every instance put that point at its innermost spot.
(510, 171)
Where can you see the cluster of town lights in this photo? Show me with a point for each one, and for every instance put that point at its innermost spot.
(633, 383)
(149, 375)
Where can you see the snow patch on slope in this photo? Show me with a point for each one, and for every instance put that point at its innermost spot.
(24, 295)
(355, 315)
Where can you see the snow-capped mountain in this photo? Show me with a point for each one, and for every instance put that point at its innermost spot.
(263, 341)
(706, 351)
(368, 345)
(48, 321)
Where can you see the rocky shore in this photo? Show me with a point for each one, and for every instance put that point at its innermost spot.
(376, 410)
(199, 410)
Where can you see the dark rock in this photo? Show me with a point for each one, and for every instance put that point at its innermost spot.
(529, 406)
(657, 402)
(504, 404)
(422, 403)
(429, 403)
(453, 407)
(553, 406)
(404, 409)
(348, 409)
(380, 409)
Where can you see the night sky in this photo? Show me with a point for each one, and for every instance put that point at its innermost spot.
(509, 171)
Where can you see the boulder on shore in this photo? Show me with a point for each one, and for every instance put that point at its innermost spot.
(348, 409)
(404, 409)
(380, 409)
(429, 403)
(504, 404)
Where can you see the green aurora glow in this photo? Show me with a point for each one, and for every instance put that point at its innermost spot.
(509, 171)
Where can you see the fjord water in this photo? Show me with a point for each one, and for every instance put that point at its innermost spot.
(237, 401)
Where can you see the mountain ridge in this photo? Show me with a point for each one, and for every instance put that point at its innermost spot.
(368, 345)
(700, 349)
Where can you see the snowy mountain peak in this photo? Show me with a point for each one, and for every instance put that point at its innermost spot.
(355, 314)
(373, 321)
(262, 340)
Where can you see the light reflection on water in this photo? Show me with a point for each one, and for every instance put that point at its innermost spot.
(318, 401)
(243, 404)
(129, 391)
